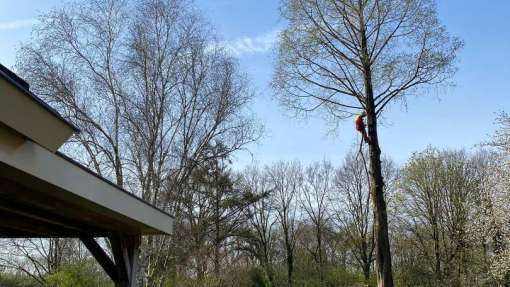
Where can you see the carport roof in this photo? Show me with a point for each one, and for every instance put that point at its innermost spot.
(44, 193)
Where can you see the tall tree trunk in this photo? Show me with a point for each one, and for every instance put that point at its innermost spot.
(382, 243)
(367, 260)
(217, 252)
(366, 272)
(217, 235)
(269, 272)
(437, 254)
(290, 261)
(290, 269)
(320, 255)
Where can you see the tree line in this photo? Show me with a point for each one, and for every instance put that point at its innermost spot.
(295, 224)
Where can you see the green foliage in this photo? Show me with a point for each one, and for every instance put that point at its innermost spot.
(16, 280)
(307, 274)
(341, 277)
(78, 275)
(256, 278)
(182, 281)
(415, 275)
(333, 277)
(238, 276)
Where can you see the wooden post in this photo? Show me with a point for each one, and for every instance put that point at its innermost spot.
(126, 249)
(124, 266)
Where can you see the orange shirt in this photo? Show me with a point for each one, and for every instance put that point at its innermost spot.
(360, 125)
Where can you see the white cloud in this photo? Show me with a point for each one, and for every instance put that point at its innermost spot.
(252, 45)
(17, 24)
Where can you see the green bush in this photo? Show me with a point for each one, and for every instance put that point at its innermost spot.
(84, 274)
(16, 280)
(341, 277)
(238, 276)
(183, 281)
(256, 278)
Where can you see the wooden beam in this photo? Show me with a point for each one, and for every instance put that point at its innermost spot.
(62, 209)
(50, 218)
(120, 262)
(125, 250)
(6, 232)
(31, 226)
(102, 258)
(134, 254)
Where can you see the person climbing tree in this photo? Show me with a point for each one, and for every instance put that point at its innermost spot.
(360, 126)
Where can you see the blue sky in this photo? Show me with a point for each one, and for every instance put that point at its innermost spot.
(457, 117)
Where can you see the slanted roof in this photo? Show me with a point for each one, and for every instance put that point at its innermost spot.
(24, 112)
(46, 194)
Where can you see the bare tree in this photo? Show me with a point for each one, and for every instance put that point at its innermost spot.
(151, 93)
(259, 234)
(349, 56)
(38, 257)
(188, 97)
(442, 191)
(354, 212)
(317, 186)
(287, 180)
(421, 183)
(74, 65)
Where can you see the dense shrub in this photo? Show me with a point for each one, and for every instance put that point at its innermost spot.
(16, 280)
(85, 274)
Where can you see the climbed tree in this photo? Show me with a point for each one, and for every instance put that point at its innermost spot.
(350, 56)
